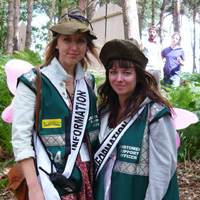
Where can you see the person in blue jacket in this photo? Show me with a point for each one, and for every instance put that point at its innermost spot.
(175, 57)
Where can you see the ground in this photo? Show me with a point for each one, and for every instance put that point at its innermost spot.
(188, 178)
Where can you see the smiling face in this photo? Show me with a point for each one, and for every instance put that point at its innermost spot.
(122, 80)
(72, 49)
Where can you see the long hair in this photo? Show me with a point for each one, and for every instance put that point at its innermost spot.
(52, 52)
(146, 86)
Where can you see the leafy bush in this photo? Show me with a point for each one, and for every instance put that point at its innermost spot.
(187, 96)
(5, 100)
(29, 56)
(6, 96)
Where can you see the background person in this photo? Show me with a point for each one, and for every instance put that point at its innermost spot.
(137, 135)
(152, 50)
(66, 95)
(175, 57)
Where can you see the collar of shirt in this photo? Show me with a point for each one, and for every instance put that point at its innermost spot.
(58, 72)
(150, 40)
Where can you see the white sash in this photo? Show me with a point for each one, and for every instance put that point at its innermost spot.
(108, 145)
(43, 161)
(78, 124)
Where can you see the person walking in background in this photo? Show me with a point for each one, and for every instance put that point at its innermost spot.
(68, 124)
(152, 50)
(174, 58)
(137, 158)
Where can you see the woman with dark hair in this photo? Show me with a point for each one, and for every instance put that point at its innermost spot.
(137, 158)
(58, 164)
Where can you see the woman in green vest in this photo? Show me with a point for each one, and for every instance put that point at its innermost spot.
(137, 158)
(57, 162)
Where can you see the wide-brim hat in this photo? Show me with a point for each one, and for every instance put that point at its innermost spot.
(71, 22)
(122, 49)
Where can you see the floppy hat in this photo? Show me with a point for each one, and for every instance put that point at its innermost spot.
(71, 22)
(122, 49)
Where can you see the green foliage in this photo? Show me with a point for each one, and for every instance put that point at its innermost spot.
(29, 56)
(187, 97)
(3, 183)
(6, 96)
(5, 100)
(148, 12)
(99, 80)
(4, 180)
(99, 76)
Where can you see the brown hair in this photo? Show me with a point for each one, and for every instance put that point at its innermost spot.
(154, 28)
(146, 87)
(177, 33)
(52, 52)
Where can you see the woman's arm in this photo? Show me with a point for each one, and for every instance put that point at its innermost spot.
(34, 188)
(22, 130)
(162, 157)
(23, 122)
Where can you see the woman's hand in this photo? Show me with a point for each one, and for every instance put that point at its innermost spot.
(34, 188)
(35, 191)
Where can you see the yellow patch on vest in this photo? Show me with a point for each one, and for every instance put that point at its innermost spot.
(51, 123)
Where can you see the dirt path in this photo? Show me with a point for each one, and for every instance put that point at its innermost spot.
(188, 178)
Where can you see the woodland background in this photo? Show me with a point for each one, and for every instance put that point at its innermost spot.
(138, 16)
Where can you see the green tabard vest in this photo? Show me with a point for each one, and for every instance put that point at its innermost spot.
(55, 120)
(130, 175)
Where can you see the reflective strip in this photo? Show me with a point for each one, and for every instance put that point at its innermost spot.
(93, 135)
(142, 168)
(31, 77)
(53, 140)
(131, 168)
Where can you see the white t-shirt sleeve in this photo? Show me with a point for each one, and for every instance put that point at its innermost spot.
(23, 122)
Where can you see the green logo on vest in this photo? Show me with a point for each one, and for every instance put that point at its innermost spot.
(51, 123)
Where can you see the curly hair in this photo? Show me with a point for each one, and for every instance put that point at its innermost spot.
(154, 28)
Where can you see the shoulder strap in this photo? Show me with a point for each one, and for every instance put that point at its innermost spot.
(149, 114)
(38, 97)
(91, 82)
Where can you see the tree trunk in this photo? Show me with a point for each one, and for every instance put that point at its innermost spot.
(176, 15)
(29, 20)
(131, 23)
(16, 24)
(60, 8)
(161, 21)
(51, 18)
(83, 6)
(194, 35)
(141, 16)
(10, 28)
(153, 11)
(91, 8)
(2, 21)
